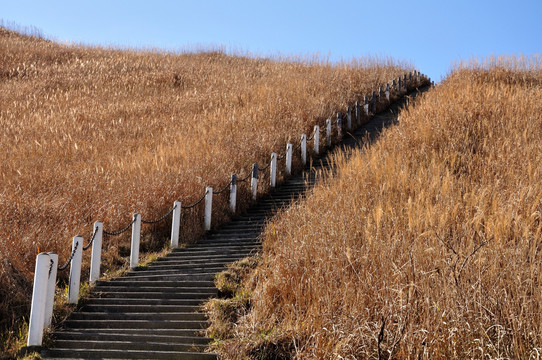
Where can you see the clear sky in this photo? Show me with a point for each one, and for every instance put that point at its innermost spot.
(429, 33)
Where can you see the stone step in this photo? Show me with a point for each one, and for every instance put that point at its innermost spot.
(147, 345)
(150, 316)
(155, 295)
(125, 354)
(180, 333)
(124, 335)
(156, 288)
(165, 283)
(141, 308)
(180, 303)
(140, 324)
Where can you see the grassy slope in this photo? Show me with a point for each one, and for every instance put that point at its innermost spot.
(433, 245)
(98, 134)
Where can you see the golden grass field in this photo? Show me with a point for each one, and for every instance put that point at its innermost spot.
(425, 245)
(91, 134)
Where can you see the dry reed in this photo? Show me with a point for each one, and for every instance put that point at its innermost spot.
(98, 134)
(426, 245)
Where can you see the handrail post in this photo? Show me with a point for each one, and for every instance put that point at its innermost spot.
(254, 181)
(328, 132)
(39, 293)
(366, 105)
(405, 83)
(96, 257)
(175, 224)
(349, 118)
(208, 208)
(388, 91)
(358, 113)
(51, 285)
(339, 126)
(399, 89)
(304, 149)
(75, 270)
(317, 139)
(136, 237)
(373, 102)
(233, 193)
(273, 170)
(288, 159)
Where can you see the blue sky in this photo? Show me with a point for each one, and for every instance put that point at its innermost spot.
(430, 34)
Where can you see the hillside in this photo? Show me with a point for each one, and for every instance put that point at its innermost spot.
(98, 134)
(425, 245)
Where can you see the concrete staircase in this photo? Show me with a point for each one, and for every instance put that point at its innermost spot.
(153, 312)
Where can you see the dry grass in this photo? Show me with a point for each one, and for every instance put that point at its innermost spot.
(99, 134)
(433, 246)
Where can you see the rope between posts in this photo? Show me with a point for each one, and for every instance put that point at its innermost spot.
(223, 189)
(265, 167)
(115, 233)
(70, 258)
(245, 178)
(51, 263)
(281, 156)
(160, 218)
(91, 240)
(297, 147)
(196, 203)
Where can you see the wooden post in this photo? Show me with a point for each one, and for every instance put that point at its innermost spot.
(358, 113)
(328, 132)
(51, 285)
(136, 238)
(304, 149)
(233, 193)
(254, 181)
(288, 159)
(339, 126)
(388, 91)
(175, 224)
(273, 170)
(349, 118)
(75, 270)
(39, 293)
(96, 257)
(208, 208)
(317, 139)
(366, 105)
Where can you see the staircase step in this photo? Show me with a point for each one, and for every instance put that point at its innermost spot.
(141, 324)
(126, 354)
(121, 335)
(103, 344)
(116, 316)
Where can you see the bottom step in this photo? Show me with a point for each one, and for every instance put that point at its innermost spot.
(124, 354)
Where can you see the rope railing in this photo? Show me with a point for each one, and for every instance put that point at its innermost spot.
(45, 262)
(196, 203)
(121, 231)
(163, 217)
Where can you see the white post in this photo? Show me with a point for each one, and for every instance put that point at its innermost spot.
(208, 208)
(288, 159)
(366, 105)
(75, 270)
(39, 293)
(388, 91)
(339, 126)
(417, 78)
(51, 285)
(175, 224)
(254, 181)
(373, 102)
(399, 90)
(136, 237)
(96, 257)
(358, 113)
(328, 132)
(317, 139)
(349, 118)
(233, 193)
(304, 149)
(273, 170)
